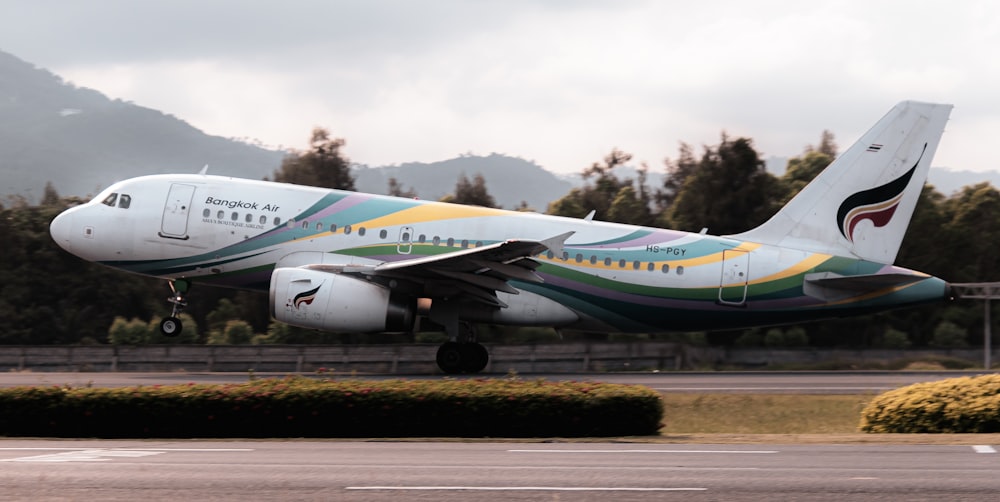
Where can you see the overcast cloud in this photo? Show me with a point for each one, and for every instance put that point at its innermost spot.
(561, 83)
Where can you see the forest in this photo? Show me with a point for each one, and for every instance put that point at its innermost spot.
(48, 296)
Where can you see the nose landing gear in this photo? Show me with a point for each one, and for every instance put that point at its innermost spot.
(171, 326)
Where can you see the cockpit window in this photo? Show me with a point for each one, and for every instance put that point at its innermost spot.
(125, 201)
(110, 200)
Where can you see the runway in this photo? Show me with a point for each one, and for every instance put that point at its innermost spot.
(453, 471)
(703, 468)
(864, 382)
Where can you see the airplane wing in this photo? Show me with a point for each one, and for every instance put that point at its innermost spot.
(476, 273)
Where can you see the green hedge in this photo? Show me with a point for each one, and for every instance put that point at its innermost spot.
(303, 407)
(967, 404)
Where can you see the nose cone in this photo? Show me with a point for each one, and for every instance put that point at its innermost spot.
(61, 230)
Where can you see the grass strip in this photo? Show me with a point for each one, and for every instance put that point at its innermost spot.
(762, 413)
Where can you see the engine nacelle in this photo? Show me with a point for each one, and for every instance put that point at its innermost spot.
(334, 302)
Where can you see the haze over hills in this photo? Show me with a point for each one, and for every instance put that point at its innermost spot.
(82, 141)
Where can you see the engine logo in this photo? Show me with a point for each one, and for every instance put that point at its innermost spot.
(306, 297)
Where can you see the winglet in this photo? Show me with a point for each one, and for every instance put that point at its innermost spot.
(555, 244)
(590, 215)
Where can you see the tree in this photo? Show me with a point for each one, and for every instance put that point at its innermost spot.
(50, 197)
(678, 173)
(396, 189)
(729, 192)
(801, 170)
(322, 166)
(975, 228)
(606, 191)
(471, 193)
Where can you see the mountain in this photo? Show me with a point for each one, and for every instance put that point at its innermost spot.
(509, 180)
(82, 141)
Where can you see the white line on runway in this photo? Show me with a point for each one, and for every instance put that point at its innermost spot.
(104, 454)
(982, 448)
(526, 488)
(708, 389)
(646, 451)
(147, 449)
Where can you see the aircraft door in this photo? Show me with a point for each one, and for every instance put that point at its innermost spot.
(735, 275)
(176, 210)
(405, 244)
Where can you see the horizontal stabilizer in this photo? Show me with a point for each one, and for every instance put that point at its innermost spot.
(831, 287)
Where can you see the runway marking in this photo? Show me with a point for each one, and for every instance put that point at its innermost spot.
(982, 448)
(758, 452)
(526, 488)
(92, 455)
(772, 388)
(104, 454)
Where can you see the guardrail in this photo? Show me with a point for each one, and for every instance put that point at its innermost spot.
(390, 359)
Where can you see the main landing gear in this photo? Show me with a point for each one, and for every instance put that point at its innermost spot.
(465, 355)
(171, 326)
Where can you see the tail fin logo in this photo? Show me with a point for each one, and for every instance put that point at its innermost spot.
(306, 297)
(876, 204)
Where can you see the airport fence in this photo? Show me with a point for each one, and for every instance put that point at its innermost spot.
(568, 357)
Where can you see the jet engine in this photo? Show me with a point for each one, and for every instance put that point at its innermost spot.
(335, 302)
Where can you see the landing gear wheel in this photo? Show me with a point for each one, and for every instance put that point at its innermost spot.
(171, 326)
(454, 358)
(475, 357)
(449, 357)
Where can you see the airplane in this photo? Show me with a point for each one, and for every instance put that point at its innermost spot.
(344, 261)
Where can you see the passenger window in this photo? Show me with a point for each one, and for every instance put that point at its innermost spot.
(249, 218)
(579, 257)
(277, 221)
(479, 244)
(621, 263)
(362, 231)
(635, 265)
(465, 244)
(451, 241)
(221, 215)
(593, 260)
(680, 270)
(347, 229)
(422, 239)
(319, 226)
(437, 240)
(607, 262)
(333, 227)
(235, 216)
(549, 254)
(110, 200)
(665, 268)
(650, 266)
(263, 219)
(291, 223)
(125, 201)
(206, 213)
(383, 234)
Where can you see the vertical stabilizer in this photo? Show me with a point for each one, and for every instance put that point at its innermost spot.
(861, 204)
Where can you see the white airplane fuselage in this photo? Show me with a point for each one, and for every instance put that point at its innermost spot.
(356, 262)
(235, 233)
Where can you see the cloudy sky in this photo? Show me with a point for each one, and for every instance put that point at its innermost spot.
(557, 82)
